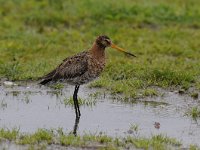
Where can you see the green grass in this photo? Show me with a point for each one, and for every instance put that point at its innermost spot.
(57, 86)
(8, 134)
(46, 138)
(82, 102)
(40, 136)
(194, 112)
(194, 95)
(35, 36)
(194, 147)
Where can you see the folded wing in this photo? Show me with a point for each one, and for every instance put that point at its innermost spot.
(70, 68)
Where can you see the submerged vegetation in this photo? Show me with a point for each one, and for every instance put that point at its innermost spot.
(36, 35)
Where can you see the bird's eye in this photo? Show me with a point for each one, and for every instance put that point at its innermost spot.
(108, 41)
(104, 42)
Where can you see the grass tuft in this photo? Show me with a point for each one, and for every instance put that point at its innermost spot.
(194, 112)
(9, 134)
(82, 102)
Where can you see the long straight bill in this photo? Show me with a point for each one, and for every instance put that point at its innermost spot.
(121, 50)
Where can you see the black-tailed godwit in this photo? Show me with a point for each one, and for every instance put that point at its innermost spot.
(82, 67)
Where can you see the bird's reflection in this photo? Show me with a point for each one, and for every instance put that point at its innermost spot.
(76, 125)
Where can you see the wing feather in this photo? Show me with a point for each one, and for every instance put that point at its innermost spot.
(72, 67)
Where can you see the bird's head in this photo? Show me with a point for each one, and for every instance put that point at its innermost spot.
(104, 41)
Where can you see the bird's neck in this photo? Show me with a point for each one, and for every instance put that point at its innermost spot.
(97, 52)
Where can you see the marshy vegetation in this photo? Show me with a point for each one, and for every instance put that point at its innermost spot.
(43, 138)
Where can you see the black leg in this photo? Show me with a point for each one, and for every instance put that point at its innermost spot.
(79, 113)
(76, 126)
(75, 98)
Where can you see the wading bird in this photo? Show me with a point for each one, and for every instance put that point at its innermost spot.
(82, 67)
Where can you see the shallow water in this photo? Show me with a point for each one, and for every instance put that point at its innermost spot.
(32, 107)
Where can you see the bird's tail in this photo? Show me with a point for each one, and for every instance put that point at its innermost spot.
(45, 81)
(47, 78)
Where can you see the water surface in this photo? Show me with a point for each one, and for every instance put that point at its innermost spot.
(30, 107)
